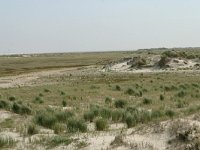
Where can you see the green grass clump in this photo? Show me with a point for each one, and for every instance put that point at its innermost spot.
(45, 119)
(162, 97)
(21, 109)
(64, 103)
(4, 104)
(6, 142)
(38, 100)
(101, 124)
(181, 94)
(130, 91)
(117, 88)
(89, 116)
(75, 125)
(170, 113)
(117, 115)
(120, 103)
(63, 116)
(58, 140)
(32, 129)
(130, 121)
(12, 98)
(147, 101)
(106, 113)
(59, 128)
(108, 100)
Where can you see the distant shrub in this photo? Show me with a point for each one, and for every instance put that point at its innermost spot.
(47, 90)
(75, 125)
(62, 93)
(130, 121)
(101, 124)
(180, 104)
(32, 129)
(6, 141)
(162, 97)
(57, 140)
(117, 115)
(38, 100)
(12, 98)
(4, 104)
(41, 95)
(130, 91)
(120, 103)
(181, 94)
(63, 116)
(59, 128)
(89, 116)
(16, 108)
(106, 113)
(147, 101)
(170, 113)
(64, 103)
(118, 88)
(108, 100)
(45, 119)
(157, 114)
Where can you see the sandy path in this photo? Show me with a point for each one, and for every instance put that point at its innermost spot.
(28, 79)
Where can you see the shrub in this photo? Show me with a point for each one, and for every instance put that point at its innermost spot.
(63, 116)
(12, 98)
(16, 108)
(181, 94)
(59, 128)
(38, 100)
(120, 103)
(118, 88)
(105, 113)
(170, 113)
(64, 103)
(45, 119)
(32, 129)
(130, 91)
(57, 140)
(89, 116)
(117, 115)
(147, 101)
(3, 104)
(162, 97)
(25, 110)
(101, 124)
(108, 100)
(157, 114)
(6, 141)
(75, 125)
(47, 90)
(130, 121)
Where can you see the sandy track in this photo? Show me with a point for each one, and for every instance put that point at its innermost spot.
(30, 78)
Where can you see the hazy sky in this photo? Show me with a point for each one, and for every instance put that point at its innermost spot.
(90, 25)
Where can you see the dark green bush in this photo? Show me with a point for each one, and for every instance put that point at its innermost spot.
(130, 121)
(4, 104)
(130, 91)
(117, 115)
(170, 113)
(162, 97)
(120, 103)
(45, 119)
(118, 88)
(64, 103)
(106, 113)
(12, 98)
(108, 100)
(89, 116)
(32, 129)
(147, 101)
(75, 125)
(101, 124)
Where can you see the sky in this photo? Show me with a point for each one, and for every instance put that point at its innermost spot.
(38, 26)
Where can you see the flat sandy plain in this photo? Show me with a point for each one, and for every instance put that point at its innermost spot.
(91, 101)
